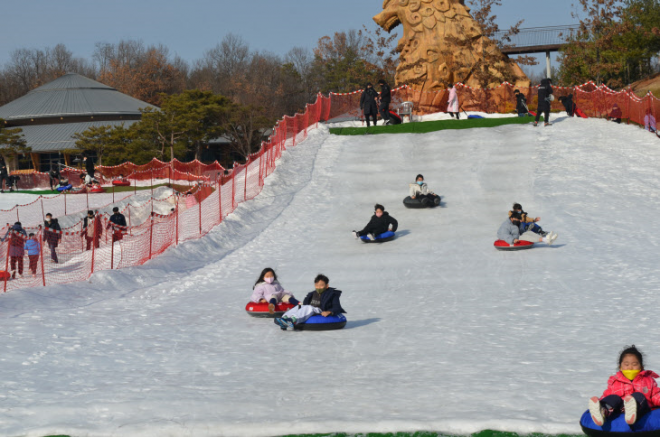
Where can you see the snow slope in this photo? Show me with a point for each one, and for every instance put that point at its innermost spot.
(444, 332)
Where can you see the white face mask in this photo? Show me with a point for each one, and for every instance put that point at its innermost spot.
(269, 279)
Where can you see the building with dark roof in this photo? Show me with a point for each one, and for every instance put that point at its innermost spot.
(51, 114)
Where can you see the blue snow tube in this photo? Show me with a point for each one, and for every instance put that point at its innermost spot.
(380, 238)
(64, 188)
(475, 116)
(646, 426)
(320, 323)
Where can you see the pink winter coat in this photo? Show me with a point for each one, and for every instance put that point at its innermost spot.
(452, 103)
(643, 383)
(267, 291)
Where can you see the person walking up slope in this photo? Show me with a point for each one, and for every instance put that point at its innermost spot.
(33, 249)
(17, 236)
(52, 235)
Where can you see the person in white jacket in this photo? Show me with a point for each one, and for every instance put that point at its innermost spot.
(419, 190)
(268, 289)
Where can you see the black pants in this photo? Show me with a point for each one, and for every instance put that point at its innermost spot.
(372, 230)
(615, 403)
(384, 109)
(367, 116)
(428, 198)
(546, 114)
(292, 301)
(457, 114)
(54, 182)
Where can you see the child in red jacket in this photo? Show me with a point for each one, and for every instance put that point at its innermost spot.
(632, 390)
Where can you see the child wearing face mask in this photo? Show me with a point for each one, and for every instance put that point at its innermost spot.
(267, 289)
(380, 223)
(632, 391)
(510, 232)
(419, 190)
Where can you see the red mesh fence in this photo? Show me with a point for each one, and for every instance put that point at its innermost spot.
(215, 192)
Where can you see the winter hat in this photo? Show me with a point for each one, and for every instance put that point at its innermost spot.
(368, 84)
(381, 82)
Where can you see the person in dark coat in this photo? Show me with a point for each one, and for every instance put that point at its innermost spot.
(54, 174)
(521, 104)
(92, 229)
(368, 103)
(324, 300)
(118, 224)
(4, 175)
(385, 100)
(380, 223)
(17, 236)
(52, 235)
(545, 97)
(89, 165)
(570, 107)
(615, 115)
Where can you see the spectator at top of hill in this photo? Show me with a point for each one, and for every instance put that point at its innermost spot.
(649, 121)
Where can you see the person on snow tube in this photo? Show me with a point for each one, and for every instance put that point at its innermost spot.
(324, 300)
(528, 223)
(419, 190)
(380, 223)
(510, 232)
(268, 289)
(632, 390)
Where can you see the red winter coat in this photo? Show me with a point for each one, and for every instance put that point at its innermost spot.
(643, 383)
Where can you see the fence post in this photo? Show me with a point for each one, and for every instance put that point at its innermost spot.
(130, 230)
(113, 193)
(151, 233)
(199, 200)
(112, 249)
(152, 183)
(94, 241)
(247, 165)
(629, 99)
(41, 250)
(65, 203)
(176, 211)
(233, 188)
(7, 260)
(220, 199)
(87, 195)
(135, 185)
(43, 215)
(18, 219)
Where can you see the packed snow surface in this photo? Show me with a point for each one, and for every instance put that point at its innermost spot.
(445, 333)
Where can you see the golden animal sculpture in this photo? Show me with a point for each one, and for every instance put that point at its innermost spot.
(441, 44)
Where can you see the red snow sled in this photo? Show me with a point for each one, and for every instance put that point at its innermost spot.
(261, 309)
(395, 118)
(521, 245)
(4, 275)
(97, 189)
(579, 113)
(121, 183)
(532, 113)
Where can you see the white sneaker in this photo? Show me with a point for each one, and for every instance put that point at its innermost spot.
(372, 237)
(553, 236)
(547, 240)
(597, 411)
(630, 407)
(355, 234)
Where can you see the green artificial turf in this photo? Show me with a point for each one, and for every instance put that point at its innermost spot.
(486, 433)
(423, 127)
(107, 190)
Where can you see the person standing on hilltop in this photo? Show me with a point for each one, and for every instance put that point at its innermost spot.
(385, 100)
(368, 103)
(545, 98)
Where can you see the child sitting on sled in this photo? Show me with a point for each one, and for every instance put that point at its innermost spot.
(419, 190)
(268, 289)
(632, 391)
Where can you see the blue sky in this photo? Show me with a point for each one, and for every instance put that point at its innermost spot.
(190, 27)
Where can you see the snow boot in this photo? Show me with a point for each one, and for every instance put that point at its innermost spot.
(598, 412)
(630, 406)
(372, 237)
(281, 323)
(547, 124)
(271, 308)
(553, 236)
(355, 234)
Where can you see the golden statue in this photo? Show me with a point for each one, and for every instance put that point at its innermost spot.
(443, 44)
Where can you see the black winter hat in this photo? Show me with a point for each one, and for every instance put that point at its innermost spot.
(368, 84)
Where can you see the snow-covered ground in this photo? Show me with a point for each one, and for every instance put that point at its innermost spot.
(445, 333)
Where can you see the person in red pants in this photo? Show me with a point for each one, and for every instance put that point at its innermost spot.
(33, 248)
(92, 229)
(17, 236)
